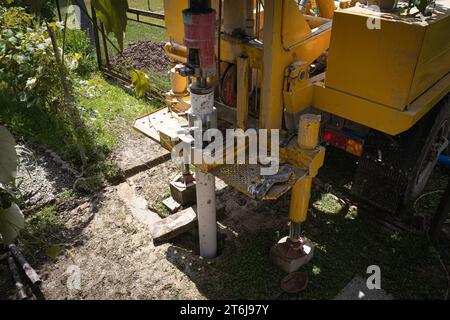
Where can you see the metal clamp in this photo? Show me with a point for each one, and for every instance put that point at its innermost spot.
(259, 190)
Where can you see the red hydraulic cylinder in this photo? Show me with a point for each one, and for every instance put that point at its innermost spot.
(200, 38)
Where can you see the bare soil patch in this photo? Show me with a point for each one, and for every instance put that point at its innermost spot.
(144, 55)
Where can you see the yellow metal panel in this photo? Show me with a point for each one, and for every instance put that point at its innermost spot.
(375, 64)
(389, 120)
(291, 35)
(278, 56)
(298, 99)
(173, 11)
(434, 60)
(299, 95)
(242, 92)
(362, 111)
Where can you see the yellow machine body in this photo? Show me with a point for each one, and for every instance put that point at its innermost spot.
(391, 65)
(385, 79)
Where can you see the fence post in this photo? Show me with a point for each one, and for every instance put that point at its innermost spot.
(96, 37)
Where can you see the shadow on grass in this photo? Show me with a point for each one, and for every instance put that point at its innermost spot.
(347, 242)
(49, 233)
(42, 126)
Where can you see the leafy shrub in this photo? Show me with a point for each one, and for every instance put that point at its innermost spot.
(31, 91)
(26, 62)
(77, 44)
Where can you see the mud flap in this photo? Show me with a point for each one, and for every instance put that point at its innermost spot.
(389, 165)
(383, 172)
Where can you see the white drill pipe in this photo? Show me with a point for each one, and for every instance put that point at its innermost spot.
(202, 104)
(206, 213)
(203, 108)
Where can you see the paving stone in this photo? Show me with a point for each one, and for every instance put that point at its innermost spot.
(357, 289)
(178, 223)
(174, 225)
(137, 153)
(137, 204)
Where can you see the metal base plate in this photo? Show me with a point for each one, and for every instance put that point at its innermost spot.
(291, 257)
(183, 193)
(294, 282)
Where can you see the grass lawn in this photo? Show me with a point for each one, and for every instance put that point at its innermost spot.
(347, 242)
(110, 111)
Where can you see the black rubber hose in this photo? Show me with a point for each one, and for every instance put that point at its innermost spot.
(199, 5)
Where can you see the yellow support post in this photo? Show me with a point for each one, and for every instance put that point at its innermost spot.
(308, 139)
(294, 251)
(242, 92)
(288, 38)
(273, 74)
(301, 193)
(326, 8)
(308, 135)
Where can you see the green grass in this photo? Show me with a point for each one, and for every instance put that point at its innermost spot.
(159, 207)
(113, 110)
(347, 242)
(161, 82)
(66, 195)
(42, 234)
(107, 114)
(155, 5)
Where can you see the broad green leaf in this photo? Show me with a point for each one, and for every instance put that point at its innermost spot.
(113, 15)
(11, 222)
(8, 156)
(141, 82)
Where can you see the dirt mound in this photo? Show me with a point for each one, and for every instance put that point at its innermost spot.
(144, 55)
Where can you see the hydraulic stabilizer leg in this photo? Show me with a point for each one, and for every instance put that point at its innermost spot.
(294, 251)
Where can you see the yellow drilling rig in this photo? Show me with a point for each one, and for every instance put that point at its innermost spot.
(373, 82)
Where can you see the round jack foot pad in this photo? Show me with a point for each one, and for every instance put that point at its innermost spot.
(294, 282)
(290, 256)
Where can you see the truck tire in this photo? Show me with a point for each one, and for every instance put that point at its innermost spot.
(393, 170)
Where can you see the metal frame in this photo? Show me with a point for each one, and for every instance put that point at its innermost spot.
(101, 41)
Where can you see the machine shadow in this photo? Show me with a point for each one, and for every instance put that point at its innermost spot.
(347, 241)
(54, 236)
